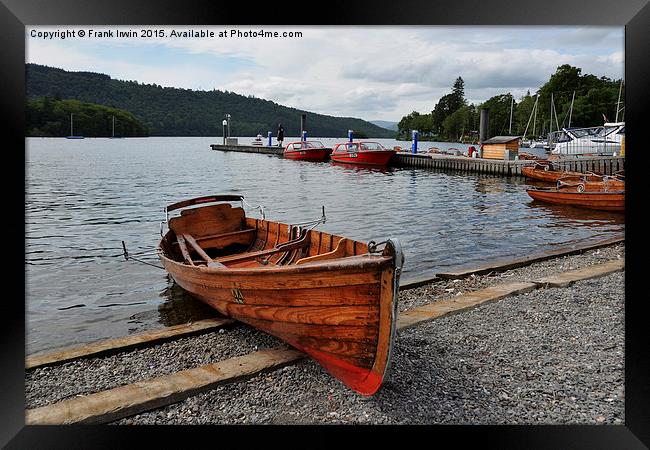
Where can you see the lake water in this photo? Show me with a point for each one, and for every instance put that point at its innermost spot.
(86, 196)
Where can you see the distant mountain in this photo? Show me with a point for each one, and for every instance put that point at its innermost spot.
(167, 111)
(385, 124)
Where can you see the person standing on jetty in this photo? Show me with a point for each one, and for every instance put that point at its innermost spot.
(280, 135)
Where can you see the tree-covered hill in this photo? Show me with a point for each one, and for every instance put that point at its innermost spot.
(184, 112)
(49, 117)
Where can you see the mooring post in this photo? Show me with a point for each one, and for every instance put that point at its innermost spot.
(270, 136)
(350, 135)
(483, 129)
(304, 135)
(414, 145)
(225, 125)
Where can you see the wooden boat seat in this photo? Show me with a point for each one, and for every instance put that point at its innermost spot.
(209, 220)
(339, 252)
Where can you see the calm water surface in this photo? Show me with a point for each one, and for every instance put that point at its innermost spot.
(85, 196)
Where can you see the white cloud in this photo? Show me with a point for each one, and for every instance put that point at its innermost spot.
(373, 72)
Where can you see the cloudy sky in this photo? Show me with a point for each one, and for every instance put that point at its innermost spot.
(373, 73)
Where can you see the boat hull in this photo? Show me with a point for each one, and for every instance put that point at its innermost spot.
(319, 154)
(370, 158)
(341, 311)
(550, 176)
(605, 201)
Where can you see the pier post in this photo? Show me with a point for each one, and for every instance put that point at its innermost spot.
(270, 136)
(303, 124)
(304, 135)
(414, 146)
(483, 126)
(225, 131)
(350, 135)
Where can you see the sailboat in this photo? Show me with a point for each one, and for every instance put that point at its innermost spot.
(72, 136)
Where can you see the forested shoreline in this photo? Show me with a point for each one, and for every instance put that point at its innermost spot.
(454, 119)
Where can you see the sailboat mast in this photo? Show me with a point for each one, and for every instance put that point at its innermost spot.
(571, 109)
(550, 127)
(113, 126)
(618, 101)
(71, 133)
(535, 119)
(512, 103)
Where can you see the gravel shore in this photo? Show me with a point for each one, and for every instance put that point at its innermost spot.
(551, 356)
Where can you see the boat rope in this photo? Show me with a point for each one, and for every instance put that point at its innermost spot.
(129, 257)
(260, 207)
(313, 223)
(372, 246)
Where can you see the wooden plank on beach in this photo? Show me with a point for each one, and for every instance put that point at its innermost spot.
(505, 264)
(565, 279)
(124, 401)
(130, 342)
(460, 303)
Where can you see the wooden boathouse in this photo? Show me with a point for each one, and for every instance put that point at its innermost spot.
(606, 165)
(501, 147)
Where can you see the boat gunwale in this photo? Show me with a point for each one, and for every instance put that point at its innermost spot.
(360, 262)
(557, 191)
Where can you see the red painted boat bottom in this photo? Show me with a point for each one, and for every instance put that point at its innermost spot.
(361, 380)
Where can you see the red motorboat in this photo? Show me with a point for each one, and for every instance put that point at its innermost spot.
(307, 151)
(364, 152)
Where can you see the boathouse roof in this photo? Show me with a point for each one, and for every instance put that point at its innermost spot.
(501, 139)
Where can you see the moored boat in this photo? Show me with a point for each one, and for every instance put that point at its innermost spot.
(363, 152)
(307, 151)
(545, 171)
(606, 195)
(332, 297)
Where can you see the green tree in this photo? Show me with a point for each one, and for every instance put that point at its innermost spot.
(499, 113)
(461, 122)
(447, 105)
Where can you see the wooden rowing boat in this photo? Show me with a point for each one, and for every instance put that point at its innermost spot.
(544, 171)
(332, 297)
(606, 195)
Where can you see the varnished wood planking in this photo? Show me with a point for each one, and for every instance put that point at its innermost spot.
(385, 338)
(276, 278)
(357, 333)
(207, 220)
(325, 315)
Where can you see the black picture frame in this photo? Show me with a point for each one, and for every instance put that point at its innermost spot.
(634, 15)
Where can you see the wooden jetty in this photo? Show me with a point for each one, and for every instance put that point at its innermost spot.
(605, 165)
